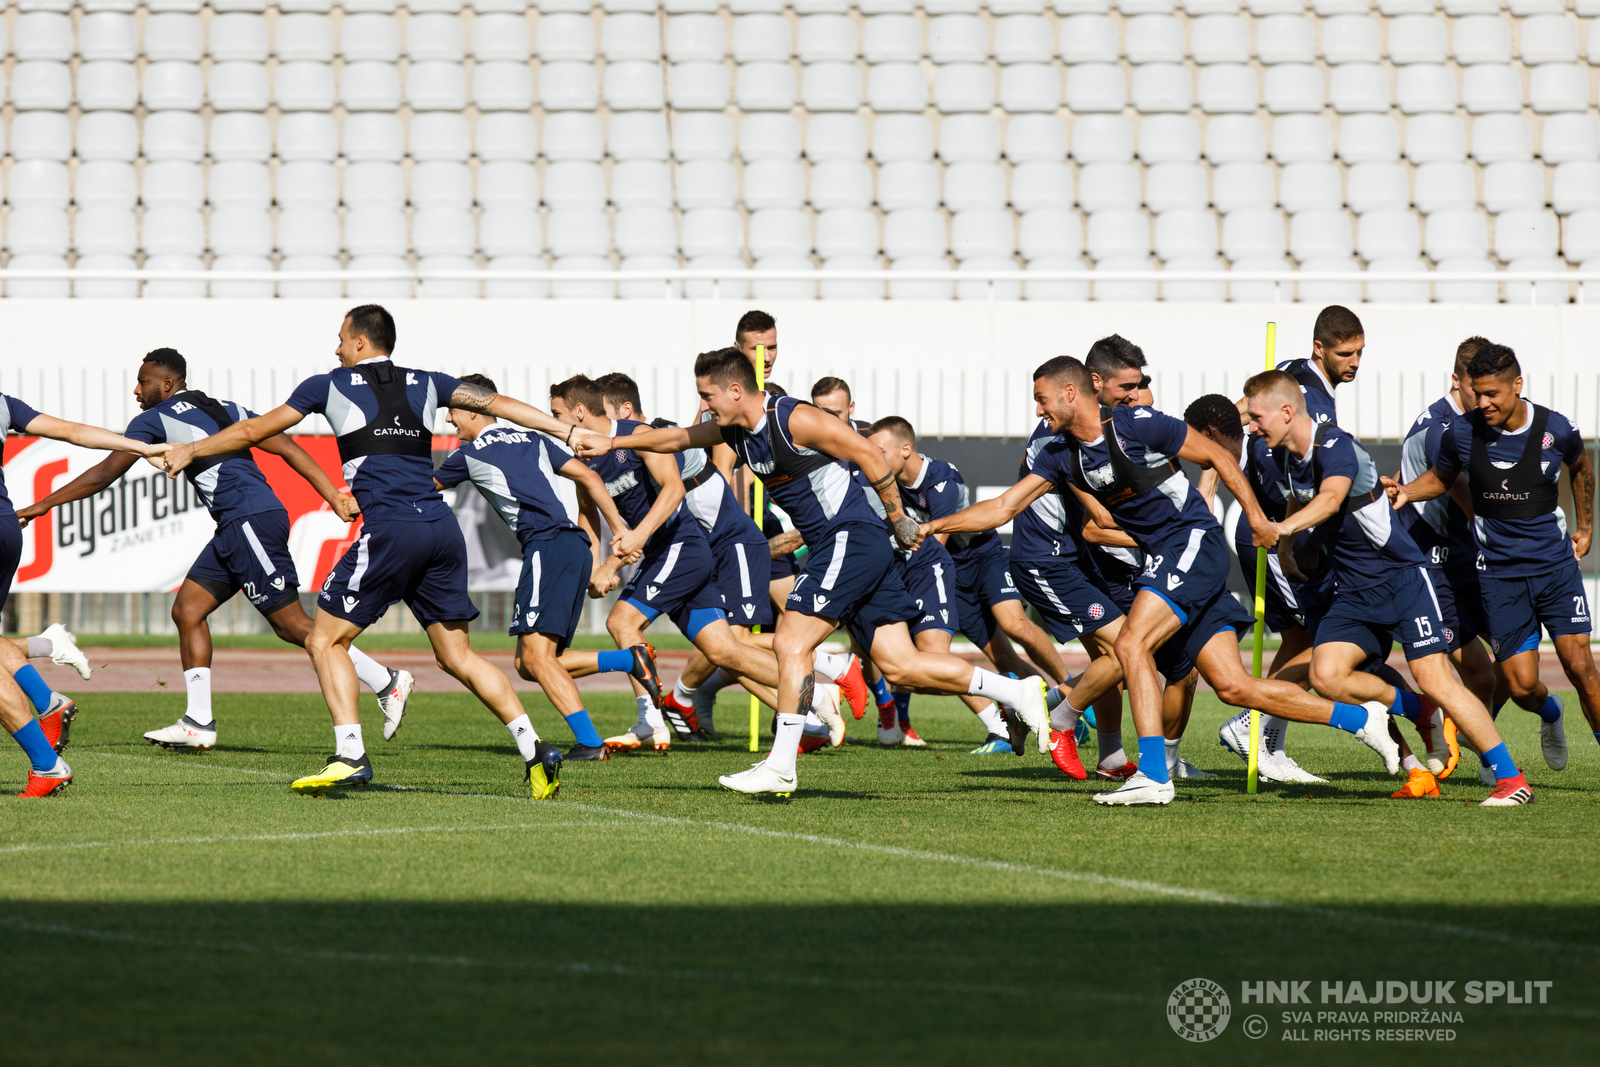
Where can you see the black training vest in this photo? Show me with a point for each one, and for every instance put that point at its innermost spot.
(1128, 479)
(395, 430)
(1350, 503)
(1523, 492)
(217, 412)
(788, 463)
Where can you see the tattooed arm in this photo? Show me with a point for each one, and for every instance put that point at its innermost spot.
(1582, 474)
(470, 397)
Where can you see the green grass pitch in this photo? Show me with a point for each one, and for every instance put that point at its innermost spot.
(919, 907)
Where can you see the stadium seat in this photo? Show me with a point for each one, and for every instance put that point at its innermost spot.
(1351, 39)
(836, 138)
(701, 136)
(1376, 187)
(1501, 138)
(710, 231)
(172, 230)
(1456, 233)
(441, 184)
(1490, 87)
(1036, 138)
(914, 232)
(958, 38)
(369, 37)
(902, 137)
(1512, 186)
(501, 38)
(1435, 139)
(1388, 233)
(1575, 187)
(1480, 39)
(104, 135)
(1313, 292)
(973, 185)
(167, 36)
(1310, 186)
(1176, 186)
(1398, 292)
(438, 135)
(779, 232)
(1320, 233)
(1185, 233)
(969, 138)
(307, 184)
(764, 86)
(846, 232)
(574, 183)
(982, 233)
(1570, 137)
(1444, 187)
(769, 136)
(107, 85)
(897, 87)
(1284, 39)
(239, 36)
(1118, 233)
(1162, 87)
(577, 231)
(365, 86)
(643, 231)
(1241, 186)
(841, 184)
(891, 38)
(1526, 234)
(510, 136)
(241, 183)
(308, 231)
(633, 36)
(177, 183)
(167, 135)
(700, 86)
(1169, 139)
(1465, 292)
(240, 135)
(707, 184)
(1368, 139)
(104, 229)
(300, 37)
(964, 87)
(242, 231)
(774, 183)
(108, 36)
(825, 38)
(1302, 139)
(1417, 39)
(1153, 39)
(1235, 139)
(573, 86)
(1547, 39)
(1425, 87)
(1292, 88)
(1089, 39)
(920, 290)
(1105, 186)
(1557, 87)
(510, 231)
(45, 182)
(1041, 184)
(1050, 233)
(304, 86)
(1102, 139)
(1096, 87)
(904, 184)
(1022, 38)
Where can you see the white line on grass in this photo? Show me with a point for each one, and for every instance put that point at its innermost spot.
(309, 836)
(1134, 885)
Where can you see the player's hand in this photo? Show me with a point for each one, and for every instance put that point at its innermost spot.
(1265, 535)
(1397, 492)
(177, 457)
(586, 444)
(906, 533)
(1580, 542)
(344, 505)
(29, 513)
(925, 531)
(628, 544)
(603, 580)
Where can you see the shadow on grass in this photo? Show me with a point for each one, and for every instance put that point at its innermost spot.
(461, 982)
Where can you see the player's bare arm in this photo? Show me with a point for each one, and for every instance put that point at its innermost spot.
(299, 460)
(469, 396)
(665, 441)
(594, 490)
(818, 430)
(1319, 509)
(1198, 448)
(246, 433)
(785, 543)
(1286, 560)
(1425, 487)
(85, 436)
(664, 469)
(993, 513)
(96, 479)
(1582, 474)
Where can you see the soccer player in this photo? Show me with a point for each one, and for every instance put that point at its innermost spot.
(833, 396)
(43, 738)
(517, 472)
(1122, 463)
(411, 547)
(802, 454)
(1383, 593)
(676, 575)
(1512, 452)
(249, 551)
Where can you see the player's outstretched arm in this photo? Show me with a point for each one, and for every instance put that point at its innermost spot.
(300, 461)
(663, 441)
(243, 434)
(1581, 472)
(1198, 448)
(813, 428)
(594, 490)
(1424, 487)
(993, 513)
(94, 480)
(472, 397)
(1319, 509)
(78, 433)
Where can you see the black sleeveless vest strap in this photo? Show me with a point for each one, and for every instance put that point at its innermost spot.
(1129, 479)
(787, 461)
(1523, 492)
(217, 412)
(1351, 503)
(395, 430)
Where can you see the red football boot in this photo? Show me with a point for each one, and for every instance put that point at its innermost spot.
(1507, 792)
(1064, 753)
(1118, 774)
(48, 783)
(853, 685)
(57, 722)
(681, 717)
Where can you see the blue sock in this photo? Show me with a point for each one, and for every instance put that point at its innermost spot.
(1500, 762)
(38, 691)
(1348, 717)
(902, 706)
(1405, 704)
(32, 740)
(1550, 710)
(1153, 758)
(620, 659)
(880, 692)
(1494, 712)
(583, 729)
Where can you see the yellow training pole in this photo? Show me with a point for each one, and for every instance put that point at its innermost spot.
(756, 508)
(1261, 608)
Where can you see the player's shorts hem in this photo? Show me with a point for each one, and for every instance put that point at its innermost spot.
(1183, 616)
(221, 592)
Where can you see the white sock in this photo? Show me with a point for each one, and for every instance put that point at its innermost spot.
(642, 723)
(814, 729)
(1273, 730)
(653, 720)
(526, 736)
(198, 681)
(40, 646)
(831, 664)
(1111, 754)
(374, 675)
(992, 722)
(786, 744)
(1172, 754)
(682, 693)
(1411, 763)
(1007, 691)
(347, 741)
(812, 719)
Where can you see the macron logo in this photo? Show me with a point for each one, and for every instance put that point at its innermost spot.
(350, 603)
(1141, 413)
(818, 602)
(749, 611)
(651, 591)
(1173, 581)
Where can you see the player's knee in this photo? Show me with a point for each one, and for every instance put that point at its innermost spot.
(1235, 690)
(1327, 682)
(1127, 645)
(524, 671)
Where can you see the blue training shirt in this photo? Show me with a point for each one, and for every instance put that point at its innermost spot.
(1046, 528)
(629, 482)
(392, 488)
(1442, 531)
(1517, 548)
(1367, 544)
(232, 489)
(14, 418)
(1317, 389)
(515, 470)
(939, 491)
(1156, 517)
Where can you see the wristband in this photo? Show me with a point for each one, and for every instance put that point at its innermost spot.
(569, 436)
(802, 550)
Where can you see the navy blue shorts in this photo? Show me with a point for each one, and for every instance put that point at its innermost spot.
(10, 550)
(1188, 572)
(1402, 608)
(852, 577)
(982, 583)
(1517, 607)
(421, 563)
(930, 579)
(1283, 595)
(1068, 603)
(1460, 605)
(553, 587)
(740, 567)
(783, 567)
(1114, 575)
(250, 554)
(1177, 657)
(680, 582)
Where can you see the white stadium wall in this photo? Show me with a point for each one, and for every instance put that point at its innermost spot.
(955, 369)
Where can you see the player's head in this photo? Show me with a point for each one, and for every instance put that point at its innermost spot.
(1063, 388)
(726, 382)
(162, 373)
(367, 331)
(577, 402)
(469, 424)
(1337, 341)
(1273, 401)
(1116, 366)
(757, 328)
(1143, 397)
(1460, 380)
(621, 396)
(1497, 380)
(896, 439)
(1217, 418)
(833, 396)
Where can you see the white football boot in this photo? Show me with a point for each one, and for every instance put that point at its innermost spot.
(825, 702)
(185, 733)
(1375, 735)
(1185, 769)
(392, 701)
(1139, 789)
(64, 651)
(1553, 743)
(760, 778)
